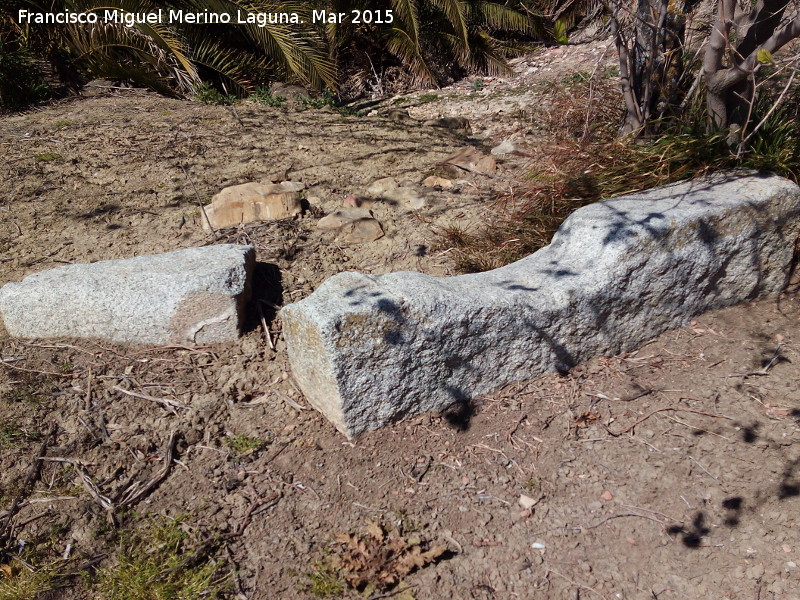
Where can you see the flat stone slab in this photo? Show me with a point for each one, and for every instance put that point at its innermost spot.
(368, 350)
(251, 202)
(193, 296)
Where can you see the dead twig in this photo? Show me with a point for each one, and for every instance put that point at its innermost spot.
(576, 584)
(200, 203)
(131, 497)
(33, 474)
(171, 405)
(264, 325)
(88, 483)
(660, 410)
(617, 516)
(765, 370)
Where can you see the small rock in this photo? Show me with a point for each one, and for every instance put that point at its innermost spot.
(472, 159)
(452, 123)
(755, 572)
(399, 114)
(381, 187)
(607, 495)
(527, 502)
(505, 147)
(341, 217)
(538, 545)
(289, 91)
(355, 225)
(250, 202)
(360, 231)
(389, 189)
(440, 182)
(409, 198)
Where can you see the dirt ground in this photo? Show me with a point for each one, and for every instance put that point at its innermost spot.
(669, 472)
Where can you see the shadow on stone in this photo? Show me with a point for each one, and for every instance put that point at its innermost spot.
(267, 295)
(459, 414)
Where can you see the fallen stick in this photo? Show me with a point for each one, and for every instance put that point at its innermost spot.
(169, 404)
(33, 475)
(132, 497)
(643, 419)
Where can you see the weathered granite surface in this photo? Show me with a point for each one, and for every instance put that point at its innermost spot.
(368, 350)
(193, 296)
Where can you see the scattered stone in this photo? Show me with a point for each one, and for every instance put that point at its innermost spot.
(342, 217)
(371, 349)
(472, 159)
(354, 225)
(353, 201)
(251, 202)
(438, 182)
(289, 91)
(538, 546)
(382, 187)
(400, 115)
(607, 495)
(505, 147)
(527, 502)
(404, 193)
(360, 231)
(453, 123)
(194, 296)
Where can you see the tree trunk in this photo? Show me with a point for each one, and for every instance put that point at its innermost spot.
(730, 69)
(650, 46)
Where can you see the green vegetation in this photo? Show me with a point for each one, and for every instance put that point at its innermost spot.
(13, 434)
(324, 581)
(263, 95)
(207, 94)
(425, 98)
(21, 83)
(18, 582)
(47, 157)
(244, 445)
(160, 562)
(29, 388)
(579, 77)
(428, 39)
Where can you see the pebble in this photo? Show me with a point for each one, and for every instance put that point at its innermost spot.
(504, 147)
(538, 546)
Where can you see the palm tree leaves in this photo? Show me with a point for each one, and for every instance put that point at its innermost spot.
(295, 51)
(454, 31)
(169, 57)
(422, 35)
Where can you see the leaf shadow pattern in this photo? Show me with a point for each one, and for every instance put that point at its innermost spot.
(691, 537)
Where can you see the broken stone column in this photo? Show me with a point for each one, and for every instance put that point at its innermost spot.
(194, 296)
(369, 350)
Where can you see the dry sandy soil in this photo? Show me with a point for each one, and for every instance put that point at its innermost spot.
(669, 472)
